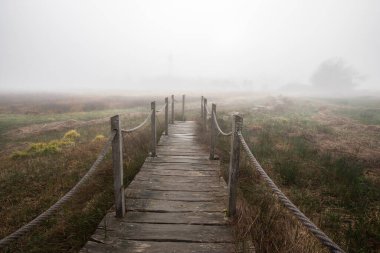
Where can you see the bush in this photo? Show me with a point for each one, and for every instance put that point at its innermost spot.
(45, 148)
(99, 137)
(71, 135)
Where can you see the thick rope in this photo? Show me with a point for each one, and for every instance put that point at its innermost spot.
(323, 238)
(57, 206)
(218, 127)
(139, 126)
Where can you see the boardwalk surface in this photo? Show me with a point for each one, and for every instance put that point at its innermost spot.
(176, 203)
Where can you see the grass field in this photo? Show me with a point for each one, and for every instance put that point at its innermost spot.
(325, 157)
(323, 153)
(52, 162)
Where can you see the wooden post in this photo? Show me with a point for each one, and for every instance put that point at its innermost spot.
(153, 129)
(205, 114)
(234, 164)
(172, 120)
(183, 107)
(166, 116)
(117, 165)
(202, 108)
(213, 132)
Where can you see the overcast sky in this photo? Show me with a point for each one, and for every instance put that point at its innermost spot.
(77, 44)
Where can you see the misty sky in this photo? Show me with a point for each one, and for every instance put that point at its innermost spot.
(77, 44)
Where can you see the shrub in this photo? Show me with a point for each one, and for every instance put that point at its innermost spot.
(71, 135)
(45, 148)
(39, 148)
(99, 137)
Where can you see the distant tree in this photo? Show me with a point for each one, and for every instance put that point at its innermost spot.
(335, 74)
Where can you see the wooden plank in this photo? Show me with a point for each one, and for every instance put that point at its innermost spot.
(175, 148)
(167, 232)
(200, 218)
(176, 185)
(120, 246)
(175, 195)
(183, 153)
(182, 165)
(179, 158)
(175, 159)
(202, 183)
(152, 205)
(177, 166)
(182, 173)
(178, 143)
(175, 151)
(174, 179)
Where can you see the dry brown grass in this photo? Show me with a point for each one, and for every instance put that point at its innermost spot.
(350, 137)
(261, 223)
(326, 164)
(270, 226)
(30, 185)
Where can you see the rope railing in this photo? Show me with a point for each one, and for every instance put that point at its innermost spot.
(218, 127)
(114, 140)
(68, 196)
(139, 126)
(323, 238)
(236, 140)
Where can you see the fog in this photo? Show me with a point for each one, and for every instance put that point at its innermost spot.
(290, 46)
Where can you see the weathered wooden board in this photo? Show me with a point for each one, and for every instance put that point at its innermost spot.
(183, 159)
(188, 167)
(122, 246)
(152, 205)
(186, 173)
(176, 203)
(199, 218)
(177, 179)
(166, 232)
(181, 185)
(175, 195)
(180, 166)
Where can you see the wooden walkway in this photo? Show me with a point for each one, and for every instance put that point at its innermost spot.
(176, 203)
